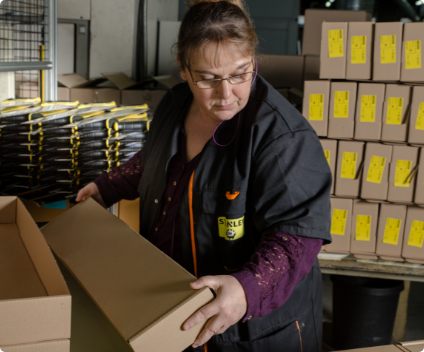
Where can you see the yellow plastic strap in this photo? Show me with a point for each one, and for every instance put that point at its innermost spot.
(92, 114)
(131, 107)
(66, 103)
(412, 54)
(403, 172)
(349, 161)
(368, 103)
(327, 156)
(316, 107)
(15, 101)
(416, 236)
(388, 49)
(341, 104)
(420, 118)
(376, 169)
(335, 43)
(363, 228)
(148, 125)
(394, 111)
(391, 232)
(358, 49)
(338, 222)
(99, 105)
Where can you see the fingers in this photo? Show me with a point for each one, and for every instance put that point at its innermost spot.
(213, 327)
(206, 281)
(82, 194)
(201, 315)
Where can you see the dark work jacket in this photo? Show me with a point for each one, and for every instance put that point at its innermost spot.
(272, 177)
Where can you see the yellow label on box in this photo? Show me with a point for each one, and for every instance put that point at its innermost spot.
(412, 54)
(316, 107)
(391, 232)
(376, 169)
(335, 43)
(416, 236)
(341, 104)
(338, 222)
(363, 228)
(388, 49)
(358, 49)
(368, 103)
(394, 111)
(403, 172)
(327, 156)
(420, 118)
(349, 165)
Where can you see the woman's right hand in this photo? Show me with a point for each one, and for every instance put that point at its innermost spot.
(91, 190)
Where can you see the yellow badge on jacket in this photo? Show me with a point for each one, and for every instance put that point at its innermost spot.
(231, 229)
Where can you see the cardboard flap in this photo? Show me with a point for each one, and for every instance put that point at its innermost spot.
(71, 80)
(130, 280)
(119, 79)
(7, 210)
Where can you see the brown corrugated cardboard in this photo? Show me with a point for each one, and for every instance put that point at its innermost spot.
(129, 212)
(330, 151)
(402, 174)
(63, 94)
(313, 22)
(396, 113)
(416, 122)
(359, 50)
(341, 120)
(413, 242)
(315, 105)
(151, 97)
(364, 228)
(369, 111)
(413, 346)
(311, 70)
(391, 225)
(108, 259)
(375, 178)
(419, 185)
(387, 51)
(333, 50)
(341, 217)
(389, 348)
(43, 214)
(282, 70)
(412, 54)
(349, 168)
(46, 346)
(35, 304)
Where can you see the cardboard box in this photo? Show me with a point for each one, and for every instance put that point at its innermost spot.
(143, 293)
(315, 105)
(330, 151)
(419, 185)
(403, 170)
(364, 229)
(43, 214)
(333, 50)
(359, 50)
(35, 304)
(311, 68)
(391, 225)
(412, 53)
(341, 120)
(129, 212)
(341, 218)
(387, 51)
(369, 111)
(413, 242)
(389, 348)
(282, 71)
(396, 113)
(375, 178)
(313, 22)
(46, 346)
(416, 122)
(412, 346)
(349, 168)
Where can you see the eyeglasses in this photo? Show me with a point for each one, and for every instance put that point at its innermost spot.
(213, 83)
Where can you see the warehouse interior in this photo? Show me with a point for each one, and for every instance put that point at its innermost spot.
(80, 84)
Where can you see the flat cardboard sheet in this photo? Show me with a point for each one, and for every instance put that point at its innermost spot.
(45, 346)
(143, 292)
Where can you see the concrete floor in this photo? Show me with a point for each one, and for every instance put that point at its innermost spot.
(415, 318)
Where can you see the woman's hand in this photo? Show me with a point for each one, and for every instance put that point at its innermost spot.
(229, 306)
(91, 190)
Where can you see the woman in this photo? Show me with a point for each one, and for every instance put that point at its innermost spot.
(234, 186)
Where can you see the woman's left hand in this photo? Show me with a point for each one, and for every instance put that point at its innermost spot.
(229, 306)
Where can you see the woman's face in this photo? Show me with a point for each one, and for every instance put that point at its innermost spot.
(226, 100)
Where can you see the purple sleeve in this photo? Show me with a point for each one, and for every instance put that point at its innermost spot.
(279, 263)
(122, 182)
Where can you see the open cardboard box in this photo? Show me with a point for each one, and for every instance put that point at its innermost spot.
(35, 304)
(144, 294)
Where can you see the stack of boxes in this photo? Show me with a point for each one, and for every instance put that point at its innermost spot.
(368, 110)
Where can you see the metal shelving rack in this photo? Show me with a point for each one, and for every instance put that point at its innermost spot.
(28, 45)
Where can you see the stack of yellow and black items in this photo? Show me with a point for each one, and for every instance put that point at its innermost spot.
(49, 150)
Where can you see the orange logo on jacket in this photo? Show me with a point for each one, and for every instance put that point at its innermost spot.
(232, 196)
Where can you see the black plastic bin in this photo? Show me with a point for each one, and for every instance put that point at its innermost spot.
(364, 311)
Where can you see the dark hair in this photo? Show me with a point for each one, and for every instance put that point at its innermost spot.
(219, 22)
